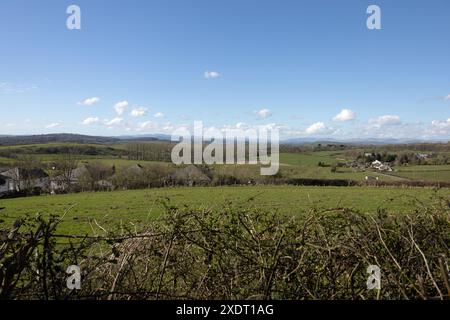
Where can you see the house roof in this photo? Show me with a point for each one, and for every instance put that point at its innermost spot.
(79, 172)
(190, 172)
(21, 173)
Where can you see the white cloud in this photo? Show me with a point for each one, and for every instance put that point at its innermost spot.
(7, 88)
(91, 120)
(263, 113)
(147, 126)
(317, 128)
(90, 101)
(344, 115)
(440, 127)
(241, 125)
(53, 125)
(386, 120)
(159, 115)
(120, 107)
(447, 98)
(114, 122)
(139, 112)
(211, 74)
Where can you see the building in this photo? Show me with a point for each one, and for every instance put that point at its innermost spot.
(19, 179)
(4, 186)
(376, 164)
(422, 155)
(64, 181)
(381, 166)
(385, 167)
(84, 176)
(190, 175)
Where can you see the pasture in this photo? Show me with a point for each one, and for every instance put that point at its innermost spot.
(88, 213)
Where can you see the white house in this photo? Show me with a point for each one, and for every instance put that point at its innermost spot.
(384, 167)
(4, 184)
(18, 179)
(422, 155)
(376, 164)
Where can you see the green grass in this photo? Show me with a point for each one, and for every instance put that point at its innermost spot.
(311, 158)
(425, 172)
(128, 208)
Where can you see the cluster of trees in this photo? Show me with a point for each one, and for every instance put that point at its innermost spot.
(383, 157)
(54, 149)
(149, 151)
(406, 157)
(414, 159)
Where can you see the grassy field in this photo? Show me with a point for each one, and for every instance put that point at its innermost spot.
(426, 173)
(129, 208)
(305, 165)
(311, 158)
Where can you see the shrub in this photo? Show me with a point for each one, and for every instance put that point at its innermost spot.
(241, 252)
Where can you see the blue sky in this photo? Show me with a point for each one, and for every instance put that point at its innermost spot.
(310, 68)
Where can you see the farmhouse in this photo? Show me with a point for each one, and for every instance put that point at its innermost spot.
(190, 175)
(380, 166)
(19, 179)
(4, 187)
(422, 155)
(376, 164)
(83, 175)
(384, 167)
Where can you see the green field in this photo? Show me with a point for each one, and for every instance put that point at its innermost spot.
(129, 208)
(311, 158)
(425, 173)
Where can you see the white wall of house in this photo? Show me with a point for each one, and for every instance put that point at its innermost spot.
(4, 187)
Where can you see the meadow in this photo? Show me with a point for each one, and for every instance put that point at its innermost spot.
(91, 211)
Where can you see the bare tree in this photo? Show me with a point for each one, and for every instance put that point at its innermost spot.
(63, 169)
(27, 169)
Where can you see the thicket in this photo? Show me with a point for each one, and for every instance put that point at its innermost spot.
(241, 252)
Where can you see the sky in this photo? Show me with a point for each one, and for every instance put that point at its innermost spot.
(309, 68)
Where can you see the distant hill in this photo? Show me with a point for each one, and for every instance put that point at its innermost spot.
(146, 137)
(75, 138)
(8, 140)
(368, 141)
(58, 137)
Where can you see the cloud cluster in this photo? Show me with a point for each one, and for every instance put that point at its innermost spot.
(382, 126)
(440, 128)
(116, 122)
(318, 128)
(386, 120)
(263, 113)
(344, 115)
(91, 120)
(139, 112)
(90, 101)
(120, 107)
